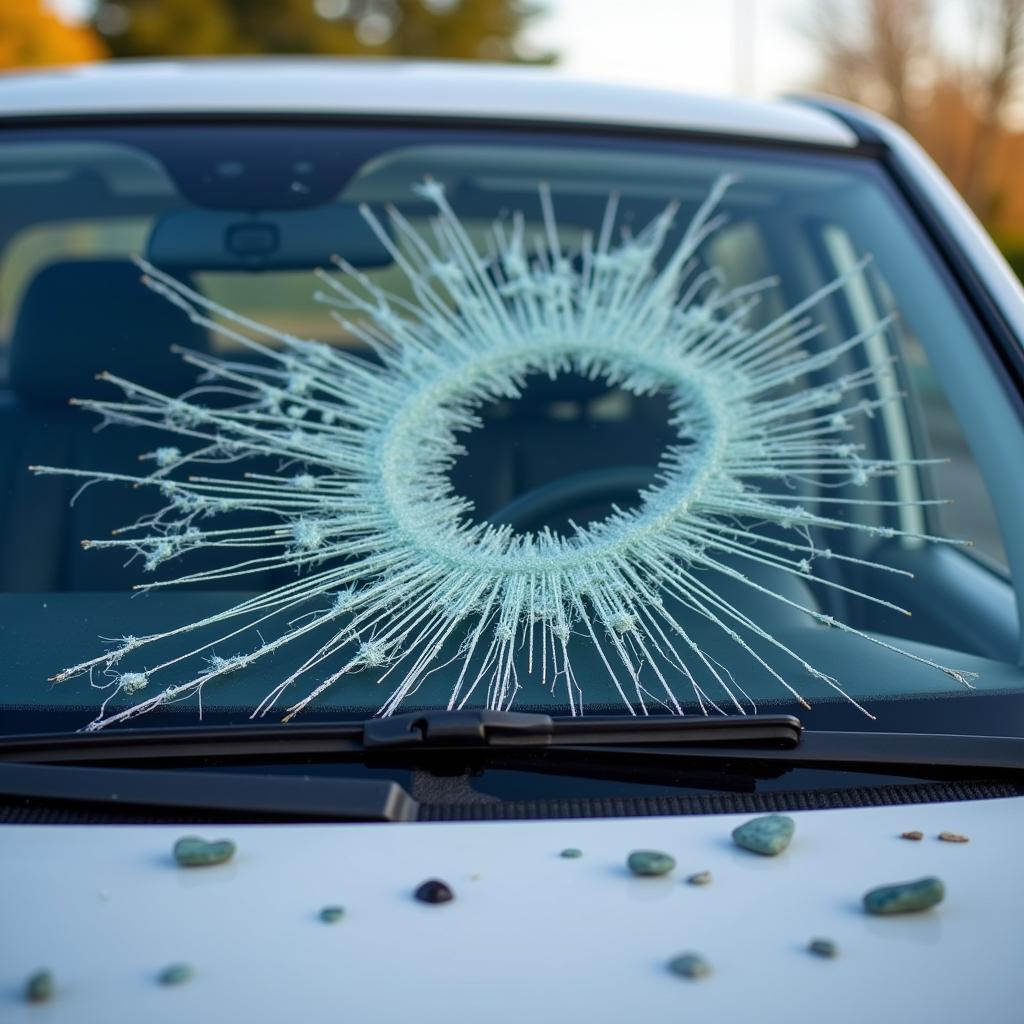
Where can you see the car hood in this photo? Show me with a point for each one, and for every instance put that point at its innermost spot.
(530, 935)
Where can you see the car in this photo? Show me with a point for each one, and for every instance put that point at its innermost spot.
(568, 466)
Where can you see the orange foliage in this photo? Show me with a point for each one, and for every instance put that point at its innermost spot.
(31, 35)
(947, 125)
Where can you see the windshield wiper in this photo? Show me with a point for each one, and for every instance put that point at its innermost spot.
(511, 738)
(431, 730)
(41, 771)
(765, 738)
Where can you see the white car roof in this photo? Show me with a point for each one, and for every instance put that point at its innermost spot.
(395, 88)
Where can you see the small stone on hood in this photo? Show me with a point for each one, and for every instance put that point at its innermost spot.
(39, 987)
(690, 965)
(175, 974)
(193, 852)
(905, 897)
(768, 835)
(823, 947)
(650, 863)
(434, 891)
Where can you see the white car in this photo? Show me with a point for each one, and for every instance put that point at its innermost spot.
(536, 546)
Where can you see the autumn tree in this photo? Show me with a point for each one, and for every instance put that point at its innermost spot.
(32, 35)
(883, 54)
(991, 83)
(871, 51)
(466, 29)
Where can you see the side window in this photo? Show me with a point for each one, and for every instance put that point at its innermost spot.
(971, 516)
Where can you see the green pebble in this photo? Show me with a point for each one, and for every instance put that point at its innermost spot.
(39, 988)
(193, 852)
(650, 863)
(905, 897)
(768, 835)
(823, 947)
(332, 915)
(690, 965)
(700, 878)
(176, 974)
(571, 853)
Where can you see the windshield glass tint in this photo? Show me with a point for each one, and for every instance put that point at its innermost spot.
(241, 217)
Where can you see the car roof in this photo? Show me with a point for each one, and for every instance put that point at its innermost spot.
(346, 86)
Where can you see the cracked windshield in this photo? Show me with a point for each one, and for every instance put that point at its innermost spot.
(319, 422)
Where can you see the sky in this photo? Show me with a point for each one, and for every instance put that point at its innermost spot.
(720, 46)
(744, 47)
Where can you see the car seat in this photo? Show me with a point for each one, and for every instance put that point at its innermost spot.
(77, 319)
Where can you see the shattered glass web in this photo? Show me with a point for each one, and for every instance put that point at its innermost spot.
(388, 561)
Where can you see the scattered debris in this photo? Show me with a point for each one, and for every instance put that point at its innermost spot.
(331, 915)
(768, 835)
(571, 853)
(905, 897)
(690, 965)
(824, 948)
(700, 878)
(175, 974)
(39, 988)
(915, 835)
(193, 852)
(953, 837)
(650, 863)
(434, 891)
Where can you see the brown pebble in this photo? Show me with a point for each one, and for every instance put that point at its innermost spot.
(915, 835)
(953, 837)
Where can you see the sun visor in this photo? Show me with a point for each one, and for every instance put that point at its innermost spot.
(282, 240)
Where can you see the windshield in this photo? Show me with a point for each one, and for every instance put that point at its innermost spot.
(589, 424)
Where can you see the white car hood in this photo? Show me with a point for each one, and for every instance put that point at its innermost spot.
(530, 936)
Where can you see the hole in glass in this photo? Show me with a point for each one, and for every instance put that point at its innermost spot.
(566, 449)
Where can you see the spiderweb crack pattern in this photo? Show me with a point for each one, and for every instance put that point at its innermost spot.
(389, 566)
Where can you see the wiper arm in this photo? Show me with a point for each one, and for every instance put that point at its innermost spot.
(276, 797)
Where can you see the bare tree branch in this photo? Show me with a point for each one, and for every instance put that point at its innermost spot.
(869, 50)
(1001, 22)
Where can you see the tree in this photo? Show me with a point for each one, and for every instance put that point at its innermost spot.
(993, 80)
(31, 35)
(881, 53)
(466, 29)
(871, 51)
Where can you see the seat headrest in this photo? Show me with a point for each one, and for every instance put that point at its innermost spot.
(81, 317)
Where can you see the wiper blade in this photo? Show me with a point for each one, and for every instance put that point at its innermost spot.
(516, 729)
(432, 730)
(779, 740)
